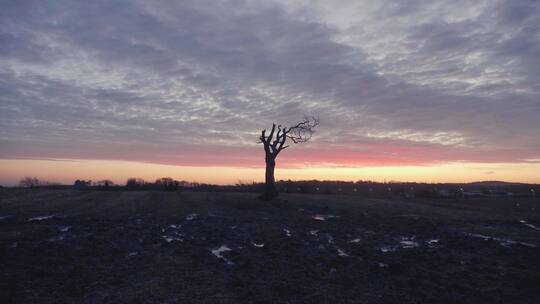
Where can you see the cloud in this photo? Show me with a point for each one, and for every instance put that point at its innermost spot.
(193, 82)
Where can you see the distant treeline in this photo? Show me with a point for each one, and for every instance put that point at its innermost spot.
(402, 189)
(362, 188)
(134, 183)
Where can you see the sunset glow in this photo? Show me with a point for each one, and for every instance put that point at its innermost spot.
(66, 171)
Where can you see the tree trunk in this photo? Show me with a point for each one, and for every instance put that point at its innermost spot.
(270, 190)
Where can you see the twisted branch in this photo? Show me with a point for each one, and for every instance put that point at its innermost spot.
(299, 133)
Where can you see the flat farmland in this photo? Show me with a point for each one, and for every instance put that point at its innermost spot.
(69, 246)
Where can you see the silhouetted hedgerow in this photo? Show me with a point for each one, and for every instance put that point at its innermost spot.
(326, 187)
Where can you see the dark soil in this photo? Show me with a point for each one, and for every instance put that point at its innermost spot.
(156, 247)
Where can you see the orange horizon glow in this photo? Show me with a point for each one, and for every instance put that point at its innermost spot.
(66, 171)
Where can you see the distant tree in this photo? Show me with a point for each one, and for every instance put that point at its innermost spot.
(29, 182)
(105, 183)
(135, 182)
(167, 183)
(274, 143)
(82, 183)
(164, 181)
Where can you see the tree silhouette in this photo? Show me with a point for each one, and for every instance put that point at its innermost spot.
(135, 182)
(274, 143)
(29, 182)
(105, 183)
(80, 183)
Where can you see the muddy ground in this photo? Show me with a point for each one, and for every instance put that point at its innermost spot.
(61, 246)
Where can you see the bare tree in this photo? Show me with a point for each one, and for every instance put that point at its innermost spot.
(29, 182)
(274, 143)
(104, 183)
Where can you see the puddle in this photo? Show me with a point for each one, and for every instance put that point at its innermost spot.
(40, 218)
(314, 232)
(287, 232)
(64, 228)
(134, 253)
(170, 239)
(324, 217)
(192, 216)
(341, 253)
(218, 253)
(56, 238)
(404, 243)
(386, 249)
(382, 265)
(407, 243)
(175, 237)
(502, 241)
(433, 242)
(481, 236)
(529, 225)
(355, 241)
(257, 245)
(174, 226)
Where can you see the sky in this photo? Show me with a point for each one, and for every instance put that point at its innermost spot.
(404, 90)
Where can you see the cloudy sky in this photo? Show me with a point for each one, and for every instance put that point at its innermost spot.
(422, 85)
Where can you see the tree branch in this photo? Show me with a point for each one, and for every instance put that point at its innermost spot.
(299, 133)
